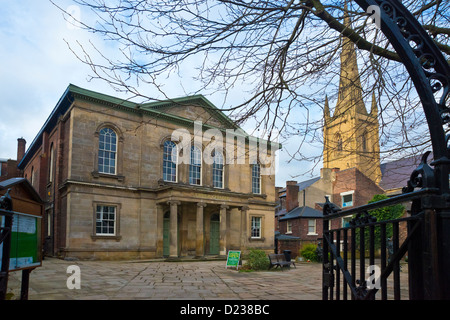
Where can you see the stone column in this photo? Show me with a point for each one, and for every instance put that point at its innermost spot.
(223, 230)
(159, 230)
(173, 253)
(244, 228)
(200, 237)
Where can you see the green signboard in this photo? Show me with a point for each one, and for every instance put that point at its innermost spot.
(233, 259)
(25, 241)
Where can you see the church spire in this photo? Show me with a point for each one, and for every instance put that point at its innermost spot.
(326, 110)
(374, 107)
(350, 90)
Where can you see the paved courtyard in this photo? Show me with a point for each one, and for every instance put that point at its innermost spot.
(160, 280)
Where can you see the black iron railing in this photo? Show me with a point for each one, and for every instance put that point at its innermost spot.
(428, 227)
(6, 216)
(356, 263)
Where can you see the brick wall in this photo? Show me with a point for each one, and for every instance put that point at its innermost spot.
(353, 180)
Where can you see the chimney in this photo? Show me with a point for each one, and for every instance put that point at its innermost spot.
(20, 149)
(291, 195)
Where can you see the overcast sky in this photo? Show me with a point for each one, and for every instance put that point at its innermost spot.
(37, 66)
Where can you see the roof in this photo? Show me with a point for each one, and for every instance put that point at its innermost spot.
(302, 212)
(305, 184)
(301, 185)
(6, 184)
(153, 109)
(280, 236)
(281, 212)
(395, 174)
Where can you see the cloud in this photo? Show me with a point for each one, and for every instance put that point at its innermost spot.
(37, 66)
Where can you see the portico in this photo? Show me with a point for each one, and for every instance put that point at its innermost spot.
(200, 228)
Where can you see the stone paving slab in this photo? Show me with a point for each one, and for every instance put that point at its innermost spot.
(160, 280)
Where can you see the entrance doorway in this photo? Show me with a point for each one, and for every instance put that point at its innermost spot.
(214, 234)
(166, 234)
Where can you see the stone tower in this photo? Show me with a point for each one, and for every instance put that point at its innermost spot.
(351, 134)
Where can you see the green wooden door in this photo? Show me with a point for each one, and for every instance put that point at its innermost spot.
(214, 234)
(166, 235)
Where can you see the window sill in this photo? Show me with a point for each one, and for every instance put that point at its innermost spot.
(312, 234)
(96, 175)
(105, 237)
(256, 239)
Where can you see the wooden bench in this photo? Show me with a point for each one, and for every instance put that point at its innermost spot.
(279, 260)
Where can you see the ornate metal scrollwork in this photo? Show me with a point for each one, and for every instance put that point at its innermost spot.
(434, 67)
(421, 177)
(329, 207)
(361, 289)
(362, 218)
(6, 201)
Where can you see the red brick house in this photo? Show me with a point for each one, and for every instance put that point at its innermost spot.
(300, 214)
(8, 167)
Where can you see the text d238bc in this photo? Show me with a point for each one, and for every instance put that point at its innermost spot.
(228, 309)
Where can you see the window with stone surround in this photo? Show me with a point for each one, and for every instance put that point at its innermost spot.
(195, 166)
(256, 227)
(170, 161)
(108, 161)
(256, 178)
(105, 224)
(218, 170)
(107, 151)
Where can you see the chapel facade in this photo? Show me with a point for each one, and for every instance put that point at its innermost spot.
(170, 178)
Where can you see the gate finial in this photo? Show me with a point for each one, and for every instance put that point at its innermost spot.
(6, 201)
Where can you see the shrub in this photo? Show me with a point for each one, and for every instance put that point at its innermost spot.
(257, 260)
(382, 214)
(309, 252)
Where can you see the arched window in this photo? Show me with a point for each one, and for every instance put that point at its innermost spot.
(170, 161)
(50, 165)
(218, 170)
(32, 176)
(256, 178)
(107, 151)
(364, 141)
(338, 142)
(195, 166)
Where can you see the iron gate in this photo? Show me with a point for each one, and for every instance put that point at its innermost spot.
(427, 243)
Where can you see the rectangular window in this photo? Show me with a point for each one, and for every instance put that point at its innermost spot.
(256, 227)
(105, 220)
(195, 167)
(289, 226)
(346, 222)
(256, 179)
(312, 226)
(170, 161)
(218, 170)
(347, 199)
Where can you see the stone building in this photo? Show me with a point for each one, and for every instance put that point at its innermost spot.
(123, 180)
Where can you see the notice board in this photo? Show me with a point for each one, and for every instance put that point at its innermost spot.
(25, 241)
(233, 259)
